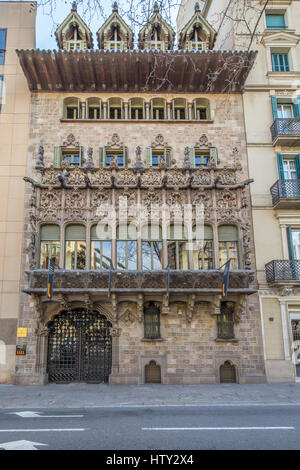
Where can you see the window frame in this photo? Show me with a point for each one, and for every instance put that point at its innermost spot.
(285, 66)
(3, 50)
(152, 327)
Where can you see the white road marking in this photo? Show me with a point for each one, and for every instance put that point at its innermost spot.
(43, 430)
(21, 445)
(36, 414)
(243, 428)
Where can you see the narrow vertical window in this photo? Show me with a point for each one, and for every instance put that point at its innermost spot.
(151, 322)
(177, 246)
(228, 245)
(75, 253)
(126, 247)
(151, 247)
(49, 245)
(225, 321)
(204, 255)
(100, 247)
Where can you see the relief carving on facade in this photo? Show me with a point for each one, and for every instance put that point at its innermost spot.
(50, 205)
(75, 205)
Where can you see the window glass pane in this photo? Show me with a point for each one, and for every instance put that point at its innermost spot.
(296, 243)
(203, 258)
(229, 249)
(151, 255)
(289, 168)
(1, 90)
(75, 255)
(100, 254)
(49, 249)
(126, 255)
(280, 63)
(152, 322)
(178, 255)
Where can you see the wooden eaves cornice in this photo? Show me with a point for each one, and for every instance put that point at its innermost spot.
(136, 71)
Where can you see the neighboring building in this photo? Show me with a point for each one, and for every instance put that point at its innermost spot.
(130, 131)
(17, 30)
(272, 117)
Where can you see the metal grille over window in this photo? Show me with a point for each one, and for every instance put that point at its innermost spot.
(152, 322)
(225, 321)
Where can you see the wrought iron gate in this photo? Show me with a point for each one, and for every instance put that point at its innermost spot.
(79, 347)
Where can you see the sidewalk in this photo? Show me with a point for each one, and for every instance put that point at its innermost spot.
(82, 395)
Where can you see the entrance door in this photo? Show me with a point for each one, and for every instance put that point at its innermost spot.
(296, 345)
(227, 373)
(79, 347)
(152, 373)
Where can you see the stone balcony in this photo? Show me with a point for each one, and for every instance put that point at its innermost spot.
(97, 282)
(286, 194)
(286, 132)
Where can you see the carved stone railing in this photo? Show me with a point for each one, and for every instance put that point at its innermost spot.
(285, 189)
(67, 281)
(283, 270)
(285, 127)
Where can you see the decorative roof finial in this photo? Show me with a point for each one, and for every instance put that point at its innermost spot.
(155, 7)
(74, 6)
(115, 7)
(197, 6)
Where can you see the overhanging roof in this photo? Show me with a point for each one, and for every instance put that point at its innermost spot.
(136, 71)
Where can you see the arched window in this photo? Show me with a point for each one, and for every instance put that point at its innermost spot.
(75, 253)
(71, 108)
(228, 245)
(101, 246)
(158, 109)
(204, 253)
(126, 247)
(115, 108)
(93, 108)
(137, 108)
(152, 248)
(225, 321)
(151, 321)
(179, 109)
(177, 246)
(49, 245)
(115, 40)
(201, 109)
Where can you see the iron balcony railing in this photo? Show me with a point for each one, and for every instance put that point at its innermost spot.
(285, 127)
(285, 189)
(296, 335)
(283, 270)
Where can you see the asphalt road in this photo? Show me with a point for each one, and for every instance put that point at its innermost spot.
(153, 428)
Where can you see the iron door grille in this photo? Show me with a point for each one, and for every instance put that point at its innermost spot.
(79, 347)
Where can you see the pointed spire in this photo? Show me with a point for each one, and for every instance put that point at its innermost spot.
(197, 6)
(74, 6)
(155, 7)
(115, 7)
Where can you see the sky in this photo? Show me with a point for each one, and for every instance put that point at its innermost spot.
(47, 23)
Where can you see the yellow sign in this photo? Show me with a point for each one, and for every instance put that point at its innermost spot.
(22, 333)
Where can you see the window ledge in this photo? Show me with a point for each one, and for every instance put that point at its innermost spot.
(147, 340)
(159, 121)
(223, 340)
(290, 74)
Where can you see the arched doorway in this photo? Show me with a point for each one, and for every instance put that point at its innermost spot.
(152, 373)
(227, 373)
(79, 347)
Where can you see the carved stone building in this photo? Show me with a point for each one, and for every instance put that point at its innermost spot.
(115, 135)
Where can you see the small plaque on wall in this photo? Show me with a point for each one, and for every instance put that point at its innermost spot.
(20, 350)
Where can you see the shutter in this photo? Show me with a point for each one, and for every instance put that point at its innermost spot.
(213, 153)
(280, 166)
(75, 232)
(290, 243)
(50, 232)
(298, 166)
(274, 107)
(296, 107)
(149, 156)
(57, 157)
(227, 233)
(192, 156)
(208, 233)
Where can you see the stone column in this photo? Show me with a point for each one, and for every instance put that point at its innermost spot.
(115, 333)
(126, 109)
(105, 110)
(83, 112)
(285, 334)
(147, 111)
(168, 111)
(190, 111)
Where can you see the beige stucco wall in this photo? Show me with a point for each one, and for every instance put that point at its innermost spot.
(19, 20)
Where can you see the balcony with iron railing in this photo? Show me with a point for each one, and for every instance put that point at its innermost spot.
(286, 131)
(286, 194)
(283, 271)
